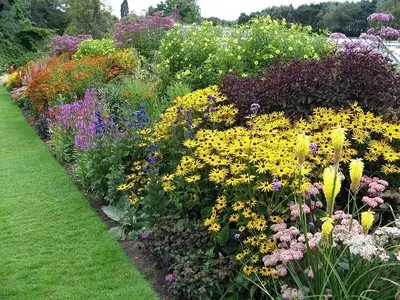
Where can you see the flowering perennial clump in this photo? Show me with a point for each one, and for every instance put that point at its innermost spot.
(67, 43)
(257, 167)
(82, 119)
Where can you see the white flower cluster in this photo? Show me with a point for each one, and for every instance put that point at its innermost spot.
(364, 246)
(373, 245)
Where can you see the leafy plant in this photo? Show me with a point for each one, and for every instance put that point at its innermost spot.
(196, 269)
(336, 82)
(90, 47)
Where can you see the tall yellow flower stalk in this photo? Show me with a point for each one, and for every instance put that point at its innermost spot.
(367, 219)
(302, 148)
(338, 136)
(332, 185)
(356, 172)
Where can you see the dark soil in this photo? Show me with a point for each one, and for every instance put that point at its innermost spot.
(140, 256)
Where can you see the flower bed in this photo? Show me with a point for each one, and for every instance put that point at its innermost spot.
(273, 184)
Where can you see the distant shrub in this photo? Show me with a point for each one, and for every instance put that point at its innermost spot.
(127, 59)
(201, 55)
(301, 86)
(94, 48)
(143, 33)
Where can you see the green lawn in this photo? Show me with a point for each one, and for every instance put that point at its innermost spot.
(52, 245)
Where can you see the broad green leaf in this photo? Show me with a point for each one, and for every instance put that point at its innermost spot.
(114, 213)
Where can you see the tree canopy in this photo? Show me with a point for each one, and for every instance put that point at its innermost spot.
(189, 11)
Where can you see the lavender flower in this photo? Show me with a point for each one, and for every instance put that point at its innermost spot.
(313, 148)
(128, 30)
(66, 43)
(276, 185)
(338, 35)
(380, 17)
(254, 108)
(237, 236)
(212, 98)
(371, 37)
(389, 33)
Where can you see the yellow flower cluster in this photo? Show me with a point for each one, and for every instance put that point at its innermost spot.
(135, 182)
(244, 161)
(249, 164)
(195, 106)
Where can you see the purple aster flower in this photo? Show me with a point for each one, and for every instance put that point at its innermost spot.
(212, 98)
(313, 148)
(276, 185)
(144, 236)
(254, 108)
(237, 236)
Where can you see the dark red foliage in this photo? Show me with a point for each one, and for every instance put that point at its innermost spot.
(335, 82)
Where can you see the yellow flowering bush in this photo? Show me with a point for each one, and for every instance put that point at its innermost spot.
(13, 80)
(127, 59)
(201, 55)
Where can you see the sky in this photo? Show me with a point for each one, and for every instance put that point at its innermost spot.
(223, 9)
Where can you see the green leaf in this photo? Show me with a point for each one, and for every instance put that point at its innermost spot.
(223, 235)
(117, 233)
(114, 213)
(206, 212)
(253, 290)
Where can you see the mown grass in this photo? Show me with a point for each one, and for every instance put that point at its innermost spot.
(52, 245)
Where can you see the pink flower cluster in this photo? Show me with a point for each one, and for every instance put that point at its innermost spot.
(342, 230)
(359, 46)
(127, 29)
(389, 33)
(374, 188)
(295, 210)
(313, 190)
(380, 17)
(290, 246)
(371, 37)
(337, 35)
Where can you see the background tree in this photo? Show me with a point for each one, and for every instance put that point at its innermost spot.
(90, 17)
(124, 8)
(47, 14)
(344, 17)
(189, 11)
(21, 40)
(390, 6)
